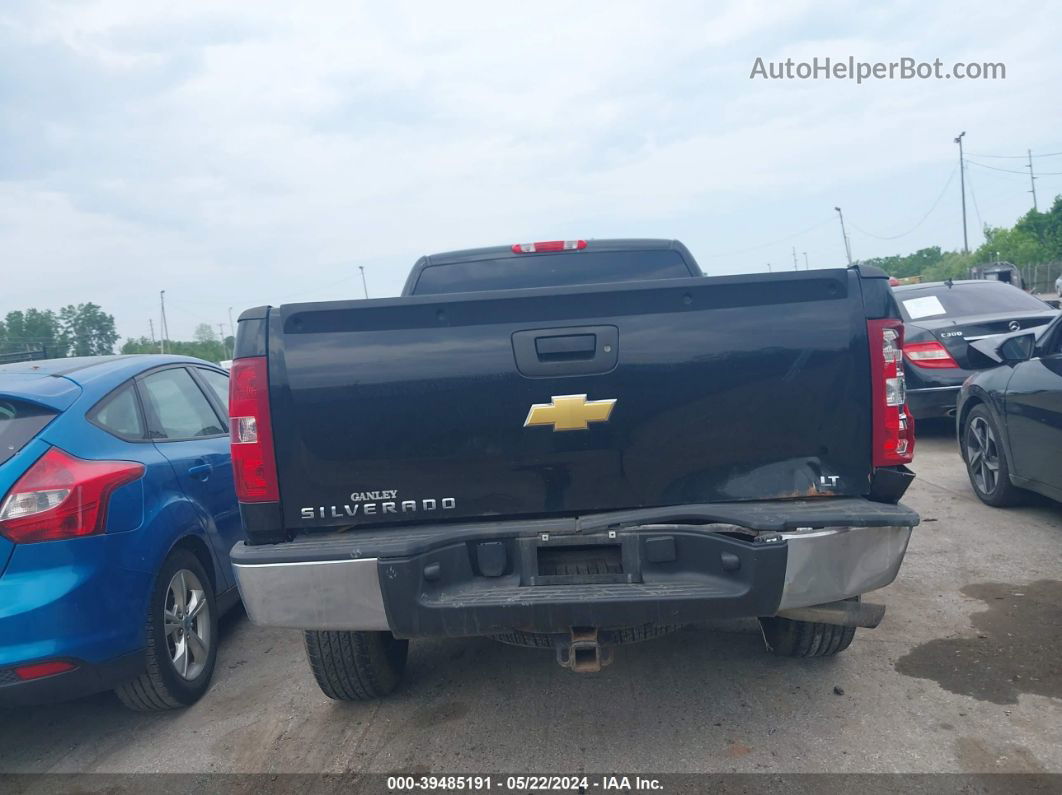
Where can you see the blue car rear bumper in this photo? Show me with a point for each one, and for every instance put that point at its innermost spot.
(86, 679)
(71, 601)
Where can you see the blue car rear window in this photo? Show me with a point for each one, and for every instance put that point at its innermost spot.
(120, 414)
(19, 422)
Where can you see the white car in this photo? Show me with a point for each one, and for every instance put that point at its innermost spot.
(1058, 286)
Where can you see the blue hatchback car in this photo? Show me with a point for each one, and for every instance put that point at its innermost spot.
(117, 512)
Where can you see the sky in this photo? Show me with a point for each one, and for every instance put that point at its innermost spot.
(236, 153)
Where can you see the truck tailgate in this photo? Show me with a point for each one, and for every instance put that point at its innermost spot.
(423, 408)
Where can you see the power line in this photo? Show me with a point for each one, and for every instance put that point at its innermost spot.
(1012, 171)
(186, 311)
(921, 221)
(287, 299)
(977, 210)
(1018, 157)
(772, 243)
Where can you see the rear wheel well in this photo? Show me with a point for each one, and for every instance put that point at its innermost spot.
(967, 407)
(199, 548)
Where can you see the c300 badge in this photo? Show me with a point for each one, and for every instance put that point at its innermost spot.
(569, 412)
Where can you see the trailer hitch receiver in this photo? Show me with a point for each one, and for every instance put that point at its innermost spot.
(581, 651)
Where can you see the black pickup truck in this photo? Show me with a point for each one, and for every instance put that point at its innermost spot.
(570, 445)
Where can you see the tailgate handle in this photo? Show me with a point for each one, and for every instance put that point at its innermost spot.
(570, 350)
(573, 346)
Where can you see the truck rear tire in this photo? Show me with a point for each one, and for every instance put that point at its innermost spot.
(789, 638)
(356, 666)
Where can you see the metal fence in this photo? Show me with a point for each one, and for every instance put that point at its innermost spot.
(27, 355)
(1041, 278)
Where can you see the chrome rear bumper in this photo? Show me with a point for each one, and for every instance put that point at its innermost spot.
(839, 562)
(822, 566)
(327, 594)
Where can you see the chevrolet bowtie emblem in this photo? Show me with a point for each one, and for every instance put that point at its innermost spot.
(569, 412)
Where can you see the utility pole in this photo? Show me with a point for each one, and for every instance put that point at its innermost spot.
(1032, 181)
(364, 286)
(806, 266)
(151, 325)
(769, 267)
(221, 334)
(844, 234)
(962, 185)
(162, 327)
(796, 266)
(232, 328)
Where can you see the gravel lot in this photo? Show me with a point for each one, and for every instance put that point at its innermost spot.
(965, 674)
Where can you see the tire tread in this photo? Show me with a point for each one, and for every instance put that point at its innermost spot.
(355, 666)
(789, 638)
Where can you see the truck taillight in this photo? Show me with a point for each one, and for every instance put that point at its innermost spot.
(893, 434)
(548, 245)
(62, 497)
(251, 435)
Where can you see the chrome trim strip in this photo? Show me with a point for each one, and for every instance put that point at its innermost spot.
(835, 563)
(955, 388)
(327, 594)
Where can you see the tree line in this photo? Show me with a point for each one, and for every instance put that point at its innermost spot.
(81, 330)
(206, 345)
(86, 330)
(1035, 239)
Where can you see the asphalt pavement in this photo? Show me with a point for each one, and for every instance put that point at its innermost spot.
(963, 675)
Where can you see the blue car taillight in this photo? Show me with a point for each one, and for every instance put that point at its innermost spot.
(62, 496)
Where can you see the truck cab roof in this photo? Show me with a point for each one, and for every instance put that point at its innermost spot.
(625, 265)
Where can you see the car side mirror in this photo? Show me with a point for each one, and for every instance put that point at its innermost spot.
(1018, 348)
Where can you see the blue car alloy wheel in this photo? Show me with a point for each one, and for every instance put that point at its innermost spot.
(181, 627)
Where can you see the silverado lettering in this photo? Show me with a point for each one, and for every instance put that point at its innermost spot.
(373, 508)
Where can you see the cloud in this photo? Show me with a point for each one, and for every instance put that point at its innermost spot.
(237, 154)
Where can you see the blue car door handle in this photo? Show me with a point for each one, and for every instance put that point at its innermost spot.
(200, 470)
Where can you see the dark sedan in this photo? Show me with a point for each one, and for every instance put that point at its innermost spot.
(1010, 417)
(941, 319)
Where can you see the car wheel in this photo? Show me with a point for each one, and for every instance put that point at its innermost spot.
(986, 462)
(181, 631)
(356, 666)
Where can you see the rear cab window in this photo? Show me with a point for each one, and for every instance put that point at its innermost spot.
(962, 300)
(20, 421)
(551, 270)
